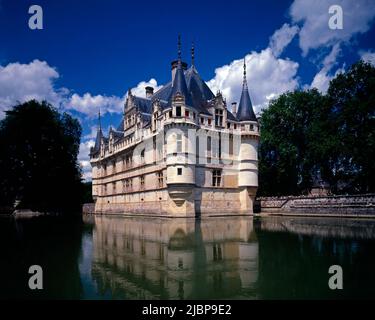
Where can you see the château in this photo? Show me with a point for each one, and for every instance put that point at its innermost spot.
(179, 152)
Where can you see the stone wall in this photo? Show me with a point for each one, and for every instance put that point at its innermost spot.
(353, 205)
(88, 208)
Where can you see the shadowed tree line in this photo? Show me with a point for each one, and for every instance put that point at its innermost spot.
(38, 159)
(308, 138)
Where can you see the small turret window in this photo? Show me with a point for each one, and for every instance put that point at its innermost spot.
(143, 156)
(179, 171)
(178, 111)
(187, 113)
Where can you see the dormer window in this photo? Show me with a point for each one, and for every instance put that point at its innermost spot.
(187, 113)
(219, 117)
(209, 122)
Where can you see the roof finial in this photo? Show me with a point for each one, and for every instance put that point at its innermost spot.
(192, 53)
(244, 72)
(179, 47)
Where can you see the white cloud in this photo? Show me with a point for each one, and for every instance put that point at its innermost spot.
(368, 56)
(36, 80)
(324, 76)
(140, 91)
(267, 78)
(313, 16)
(282, 37)
(89, 104)
(84, 160)
(23, 82)
(92, 134)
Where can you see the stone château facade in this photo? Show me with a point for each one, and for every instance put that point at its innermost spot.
(178, 152)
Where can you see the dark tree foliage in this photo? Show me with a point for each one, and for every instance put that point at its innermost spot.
(289, 127)
(38, 159)
(307, 136)
(352, 119)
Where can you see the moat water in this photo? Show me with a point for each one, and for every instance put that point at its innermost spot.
(214, 258)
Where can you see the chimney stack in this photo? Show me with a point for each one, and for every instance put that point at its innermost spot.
(149, 91)
(234, 108)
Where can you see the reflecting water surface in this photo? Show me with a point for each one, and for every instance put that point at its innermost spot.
(216, 258)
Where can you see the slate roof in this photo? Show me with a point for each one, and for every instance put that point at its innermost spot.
(245, 109)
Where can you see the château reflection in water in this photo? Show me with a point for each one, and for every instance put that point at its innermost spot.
(230, 258)
(175, 259)
(114, 257)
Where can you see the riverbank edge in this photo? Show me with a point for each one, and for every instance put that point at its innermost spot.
(339, 206)
(351, 206)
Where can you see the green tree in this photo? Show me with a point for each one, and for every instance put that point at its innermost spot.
(290, 142)
(352, 123)
(38, 159)
(306, 135)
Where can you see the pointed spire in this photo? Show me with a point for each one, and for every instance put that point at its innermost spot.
(99, 135)
(192, 54)
(179, 48)
(244, 83)
(179, 82)
(99, 121)
(245, 108)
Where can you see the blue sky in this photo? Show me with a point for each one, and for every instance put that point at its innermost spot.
(90, 53)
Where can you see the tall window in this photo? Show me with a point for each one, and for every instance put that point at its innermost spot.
(160, 179)
(179, 171)
(231, 144)
(142, 182)
(179, 142)
(209, 147)
(128, 185)
(197, 147)
(114, 187)
(216, 178)
(114, 166)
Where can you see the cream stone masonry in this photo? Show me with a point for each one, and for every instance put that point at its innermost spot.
(179, 152)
